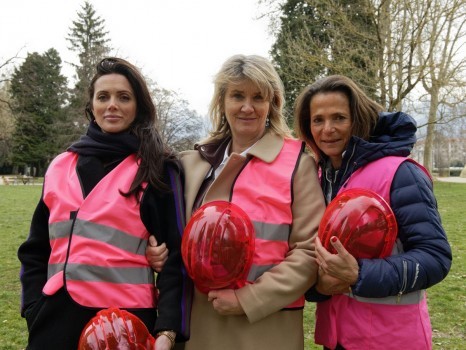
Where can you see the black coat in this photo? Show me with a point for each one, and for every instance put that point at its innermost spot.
(163, 216)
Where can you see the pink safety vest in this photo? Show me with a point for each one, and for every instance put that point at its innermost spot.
(264, 191)
(98, 242)
(354, 322)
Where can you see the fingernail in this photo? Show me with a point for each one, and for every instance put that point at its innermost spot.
(152, 241)
(333, 239)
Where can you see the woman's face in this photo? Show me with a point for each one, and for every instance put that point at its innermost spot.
(331, 124)
(246, 111)
(113, 104)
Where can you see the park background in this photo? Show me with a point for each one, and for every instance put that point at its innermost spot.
(447, 300)
(407, 54)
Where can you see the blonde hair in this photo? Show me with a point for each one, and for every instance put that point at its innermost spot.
(259, 71)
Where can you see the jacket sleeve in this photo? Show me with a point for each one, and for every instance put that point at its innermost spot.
(426, 256)
(34, 255)
(163, 215)
(289, 280)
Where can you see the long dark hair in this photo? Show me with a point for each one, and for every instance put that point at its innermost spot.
(152, 151)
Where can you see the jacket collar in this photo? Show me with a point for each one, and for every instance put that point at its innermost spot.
(394, 135)
(266, 149)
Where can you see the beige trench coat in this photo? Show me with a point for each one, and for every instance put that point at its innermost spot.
(264, 325)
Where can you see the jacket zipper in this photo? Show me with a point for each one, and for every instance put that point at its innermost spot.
(405, 281)
(416, 275)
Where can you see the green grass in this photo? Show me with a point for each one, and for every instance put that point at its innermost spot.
(447, 300)
(17, 204)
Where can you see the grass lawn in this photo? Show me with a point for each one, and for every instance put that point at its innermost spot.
(17, 204)
(447, 300)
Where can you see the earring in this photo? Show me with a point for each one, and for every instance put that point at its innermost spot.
(222, 122)
(267, 122)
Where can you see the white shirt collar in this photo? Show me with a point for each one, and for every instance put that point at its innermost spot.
(226, 156)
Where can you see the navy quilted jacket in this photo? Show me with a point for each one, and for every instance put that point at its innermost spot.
(427, 258)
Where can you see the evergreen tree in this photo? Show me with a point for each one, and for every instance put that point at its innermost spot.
(299, 42)
(354, 42)
(322, 37)
(89, 39)
(38, 91)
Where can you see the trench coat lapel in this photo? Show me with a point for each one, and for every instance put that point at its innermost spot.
(196, 169)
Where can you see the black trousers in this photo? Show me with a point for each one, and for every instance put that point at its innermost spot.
(56, 322)
(339, 347)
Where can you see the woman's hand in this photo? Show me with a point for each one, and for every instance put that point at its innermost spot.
(328, 285)
(225, 302)
(156, 255)
(163, 342)
(342, 265)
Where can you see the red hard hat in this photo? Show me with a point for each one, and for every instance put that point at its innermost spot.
(363, 222)
(115, 329)
(218, 246)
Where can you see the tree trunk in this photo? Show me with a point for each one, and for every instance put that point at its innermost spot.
(428, 147)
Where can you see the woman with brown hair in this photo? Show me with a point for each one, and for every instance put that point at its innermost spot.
(374, 303)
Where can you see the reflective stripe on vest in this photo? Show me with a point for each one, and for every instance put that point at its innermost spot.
(378, 177)
(270, 185)
(406, 299)
(98, 243)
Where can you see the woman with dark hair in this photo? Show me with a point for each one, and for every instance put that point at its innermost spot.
(101, 201)
(375, 303)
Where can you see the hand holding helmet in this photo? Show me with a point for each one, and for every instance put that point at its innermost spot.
(363, 222)
(218, 246)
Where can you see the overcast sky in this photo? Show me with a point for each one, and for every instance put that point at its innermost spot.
(180, 44)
